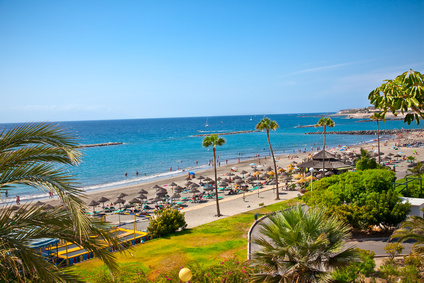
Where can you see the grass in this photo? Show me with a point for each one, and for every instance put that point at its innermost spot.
(205, 244)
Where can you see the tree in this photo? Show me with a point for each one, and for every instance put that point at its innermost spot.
(377, 117)
(36, 155)
(302, 246)
(412, 229)
(324, 122)
(214, 141)
(267, 125)
(404, 93)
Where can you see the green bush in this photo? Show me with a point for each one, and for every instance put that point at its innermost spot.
(357, 270)
(362, 199)
(166, 221)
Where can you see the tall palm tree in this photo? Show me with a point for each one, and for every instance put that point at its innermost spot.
(412, 229)
(300, 245)
(377, 117)
(268, 124)
(324, 122)
(214, 141)
(36, 155)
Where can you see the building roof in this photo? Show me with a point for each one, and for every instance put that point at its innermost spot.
(319, 156)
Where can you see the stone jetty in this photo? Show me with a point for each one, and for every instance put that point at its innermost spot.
(100, 144)
(224, 134)
(366, 132)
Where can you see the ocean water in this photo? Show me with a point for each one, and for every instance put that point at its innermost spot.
(153, 146)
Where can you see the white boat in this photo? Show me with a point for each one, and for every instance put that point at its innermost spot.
(206, 125)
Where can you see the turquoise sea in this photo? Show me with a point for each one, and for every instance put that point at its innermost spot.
(152, 146)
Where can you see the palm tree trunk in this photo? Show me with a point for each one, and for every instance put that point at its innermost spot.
(275, 166)
(378, 142)
(323, 155)
(218, 213)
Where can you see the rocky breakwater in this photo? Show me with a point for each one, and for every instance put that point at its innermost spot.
(101, 144)
(224, 134)
(367, 132)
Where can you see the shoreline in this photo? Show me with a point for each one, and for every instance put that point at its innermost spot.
(179, 177)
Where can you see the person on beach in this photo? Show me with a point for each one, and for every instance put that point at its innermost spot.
(126, 174)
(18, 200)
(50, 194)
(136, 173)
(6, 193)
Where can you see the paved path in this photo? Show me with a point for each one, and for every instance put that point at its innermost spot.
(203, 213)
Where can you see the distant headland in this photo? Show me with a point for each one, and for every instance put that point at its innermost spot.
(365, 113)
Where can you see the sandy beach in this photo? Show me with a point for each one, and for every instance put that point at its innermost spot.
(200, 213)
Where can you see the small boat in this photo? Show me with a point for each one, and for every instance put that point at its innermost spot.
(206, 125)
(250, 118)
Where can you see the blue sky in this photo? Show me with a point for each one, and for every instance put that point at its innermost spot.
(93, 60)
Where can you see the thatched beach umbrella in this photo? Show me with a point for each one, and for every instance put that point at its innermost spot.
(243, 172)
(122, 195)
(194, 191)
(142, 191)
(162, 191)
(223, 184)
(102, 200)
(93, 203)
(48, 207)
(195, 185)
(174, 196)
(134, 200)
(178, 189)
(156, 187)
(208, 188)
(200, 177)
(39, 203)
(230, 174)
(119, 201)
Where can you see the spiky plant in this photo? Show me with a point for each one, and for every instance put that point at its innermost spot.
(36, 155)
(299, 245)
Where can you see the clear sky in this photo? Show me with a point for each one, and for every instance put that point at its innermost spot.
(94, 60)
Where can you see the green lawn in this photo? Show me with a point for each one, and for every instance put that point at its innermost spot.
(205, 244)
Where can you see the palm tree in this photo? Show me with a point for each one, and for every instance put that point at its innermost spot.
(214, 141)
(36, 155)
(324, 122)
(267, 124)
(300, 245)
(377, 117)
(412, 229)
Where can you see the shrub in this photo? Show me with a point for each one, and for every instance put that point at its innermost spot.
(165, 222)
(357, 270)
(393, 249)
(362, 199)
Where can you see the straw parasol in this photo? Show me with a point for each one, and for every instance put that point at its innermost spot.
(93, 203)
(178, 189)
(102, 200)
(134, 200)
(223, 184)
(39, 203)
(301, 181)
(48, 206)
(157, 187)
(122, 195)
(176, 196)
(200, 177)
(208, 188)
(194, 191)
(230, 174)
(141, 196)
(142, 191)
